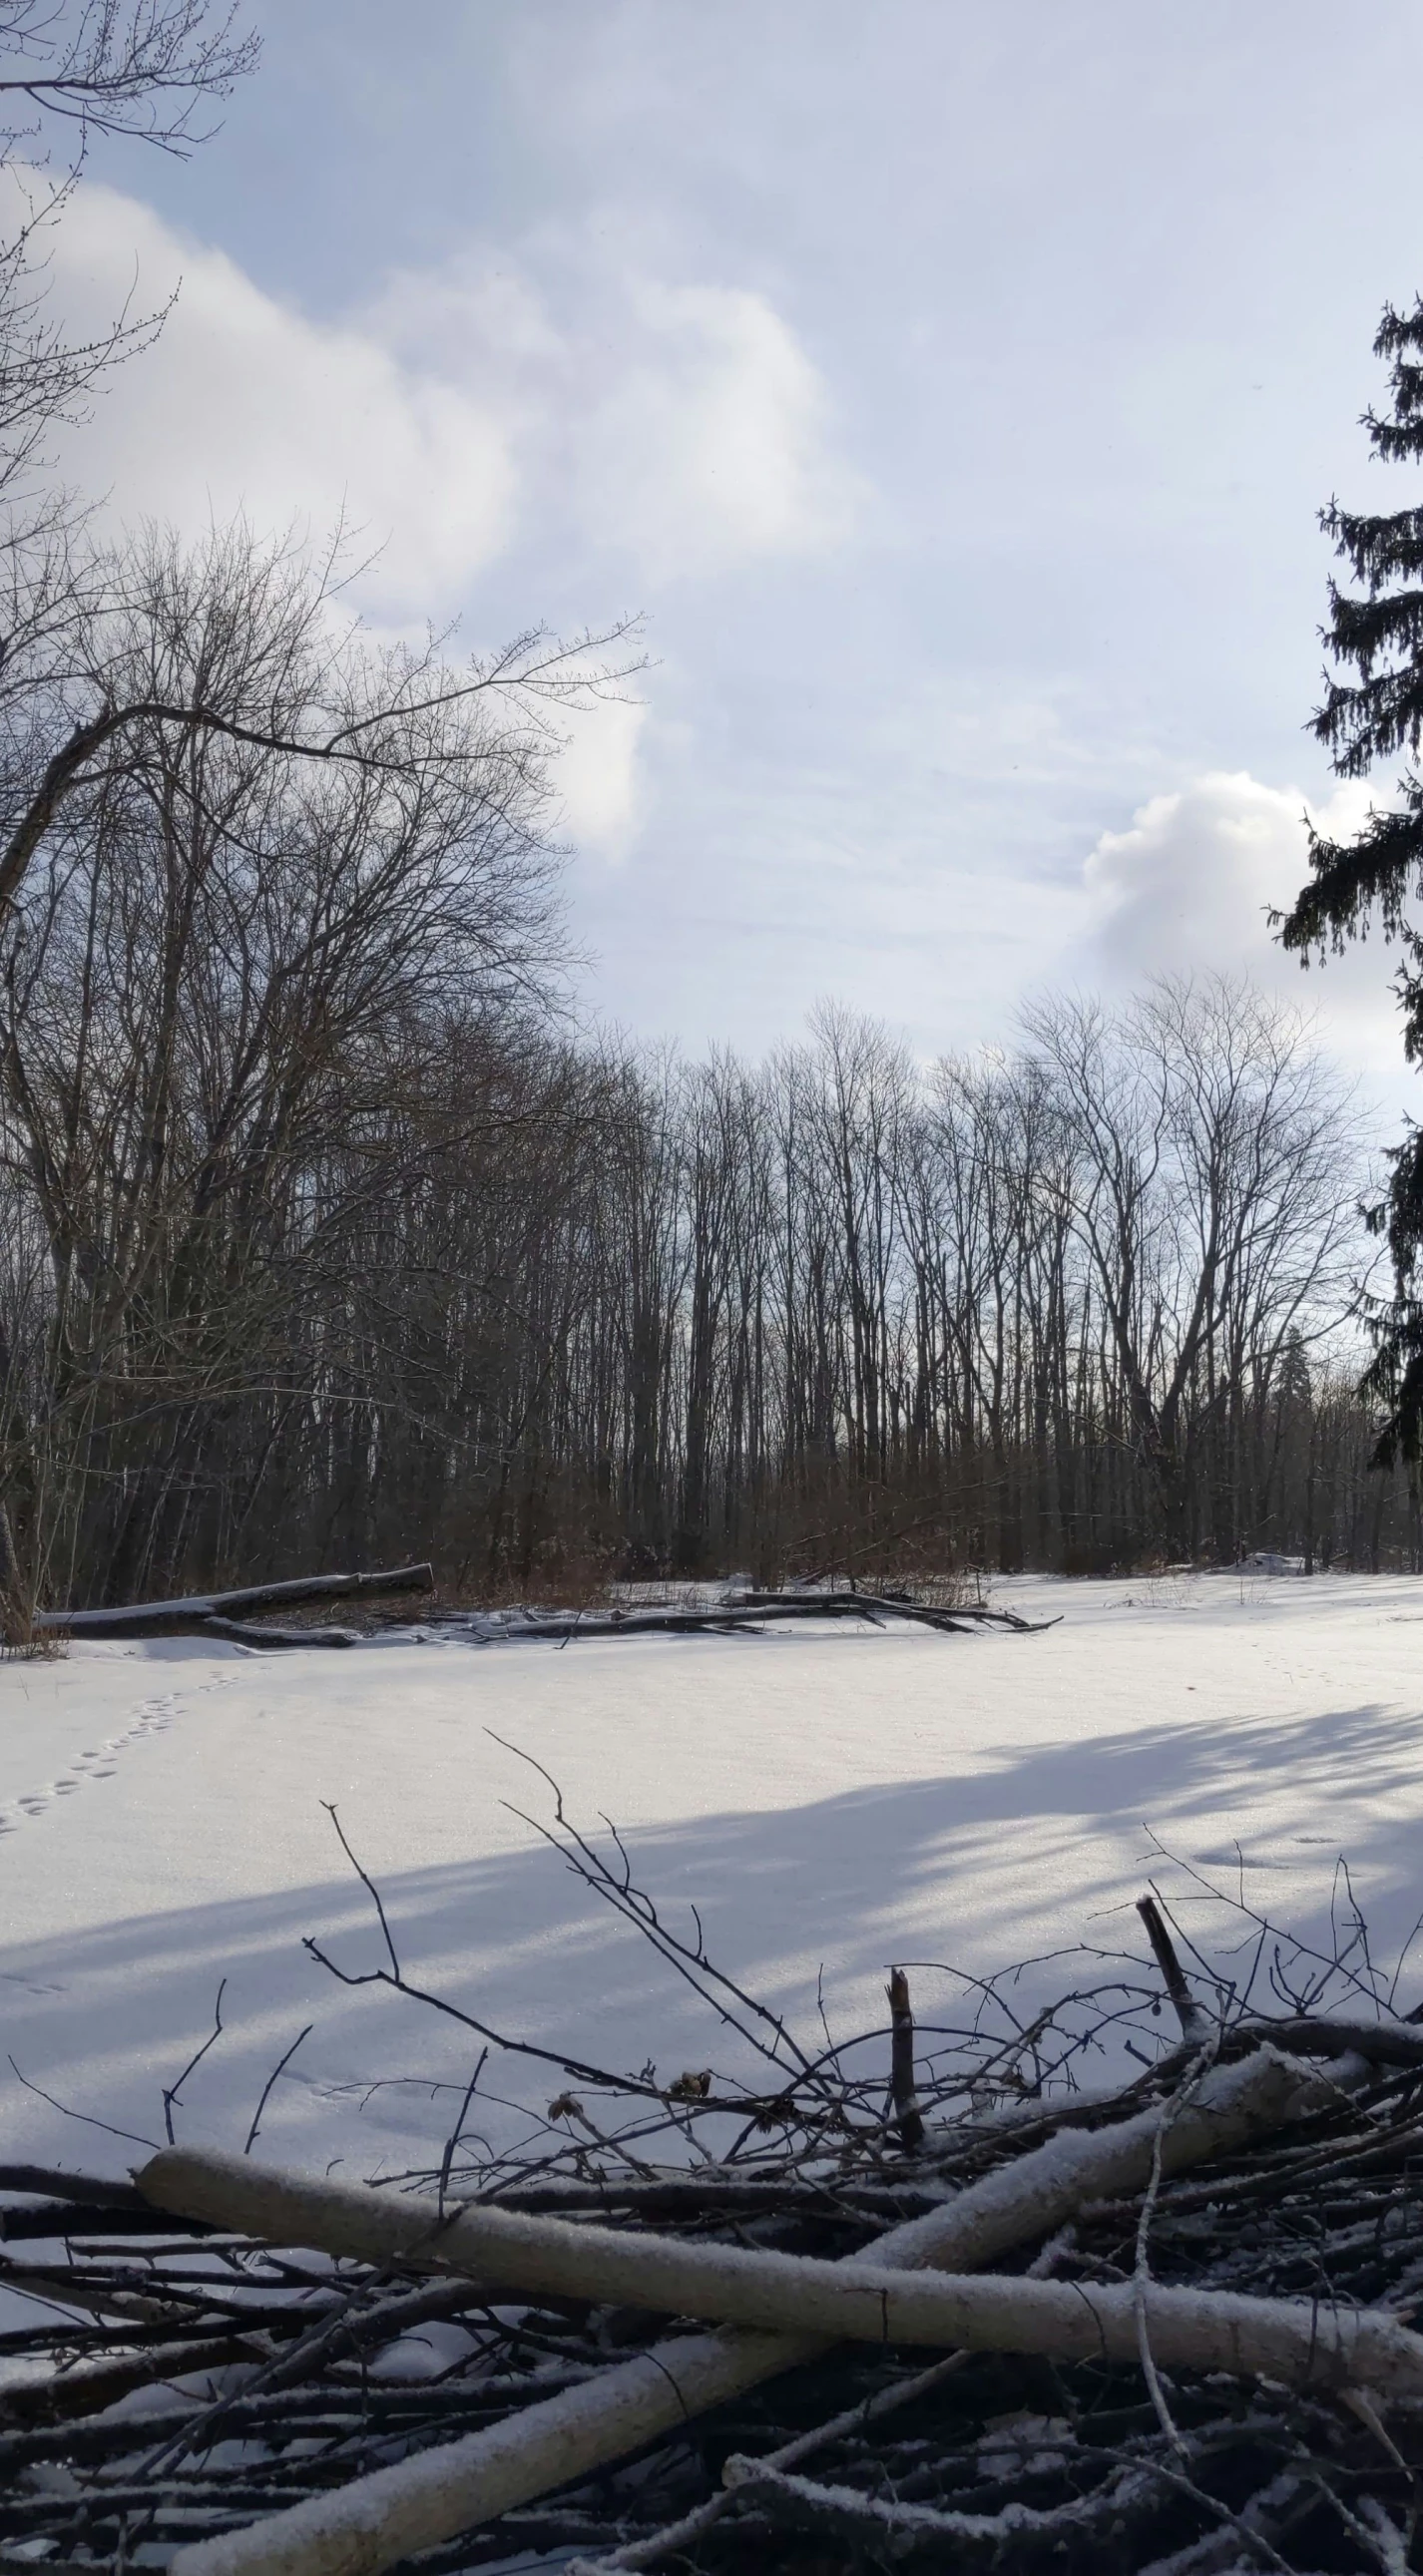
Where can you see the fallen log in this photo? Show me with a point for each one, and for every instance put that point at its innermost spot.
(1027, 2195)
(226, 1615)
(1324, 2208)
(378, 2520)
(856, 2299)
(248, 1632)
(432, 2496)
(197, 1612)
(562, 1627)
(1352, 2046)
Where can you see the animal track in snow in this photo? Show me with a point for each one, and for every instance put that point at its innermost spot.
(100, 1761)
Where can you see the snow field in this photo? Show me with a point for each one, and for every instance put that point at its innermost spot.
(830, 1800)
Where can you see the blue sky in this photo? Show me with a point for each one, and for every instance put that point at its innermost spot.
(953, 388)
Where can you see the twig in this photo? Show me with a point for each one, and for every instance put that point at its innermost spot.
(452, 2141)
(279, 2069)
(172, 2091)
(132, 2135)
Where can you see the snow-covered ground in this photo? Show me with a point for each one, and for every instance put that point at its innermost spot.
(831, 1799)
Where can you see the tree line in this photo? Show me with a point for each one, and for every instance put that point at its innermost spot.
(329, 1236)
(326, 1232)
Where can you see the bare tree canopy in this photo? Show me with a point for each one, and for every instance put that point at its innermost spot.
(285, 889)
(273, 667)
(143, 68)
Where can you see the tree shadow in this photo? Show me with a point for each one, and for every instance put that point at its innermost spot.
(983, 1867)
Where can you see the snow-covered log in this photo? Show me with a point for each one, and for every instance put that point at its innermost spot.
(425, 2500)
(1026, 2196)
(251, 1632)
(1384, 2041)
(198, 1611)
(855, 2300)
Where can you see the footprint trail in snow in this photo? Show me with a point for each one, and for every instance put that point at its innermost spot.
(99, 1761)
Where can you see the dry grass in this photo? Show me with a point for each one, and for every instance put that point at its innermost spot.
(49, 1646)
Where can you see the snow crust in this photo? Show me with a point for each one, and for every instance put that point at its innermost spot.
(834, 1798)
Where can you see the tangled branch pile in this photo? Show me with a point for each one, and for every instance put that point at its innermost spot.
(243, 1617)
(922, 2297)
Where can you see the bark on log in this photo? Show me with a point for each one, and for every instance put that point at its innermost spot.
(429, 2498)
(424, 2501)
(195, 1613)
(1029, 2195)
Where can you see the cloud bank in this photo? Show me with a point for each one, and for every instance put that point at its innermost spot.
(506, 425)
(681, 428)
(567, 405)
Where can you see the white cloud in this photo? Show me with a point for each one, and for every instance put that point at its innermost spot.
(681, 426)
(1191, 882)
(482, 402)
(246, 404)
(598, 778)
(619, 431)
(711, 444)
(1188, 888)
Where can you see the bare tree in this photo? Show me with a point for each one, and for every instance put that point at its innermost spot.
(1210, 1198)
(228, 967)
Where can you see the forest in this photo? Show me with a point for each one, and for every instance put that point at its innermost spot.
(333, 1233)
(336, 1229)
